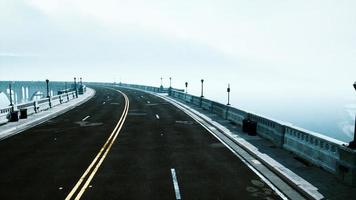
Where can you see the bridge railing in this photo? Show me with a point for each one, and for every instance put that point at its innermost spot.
(328, 153)
(36, 106)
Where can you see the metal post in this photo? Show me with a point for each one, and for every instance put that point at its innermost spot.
(202, 88)
(75, 87)
(186, 87)
(81, 82)
(161, 82)
(170, 82)
(228, 94)
(10, 94)
(47, 81)
(352, 144)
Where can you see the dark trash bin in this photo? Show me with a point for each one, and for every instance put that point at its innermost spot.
(249, 126)
(253, 128)
(14, 116)
(245, 125)
(23, 114)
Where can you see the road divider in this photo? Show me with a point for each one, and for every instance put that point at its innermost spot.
(84, 181)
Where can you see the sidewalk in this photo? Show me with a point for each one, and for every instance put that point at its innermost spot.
(12, 128)
(283, 161)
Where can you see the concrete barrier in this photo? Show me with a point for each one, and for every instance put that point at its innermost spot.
(4, 114)
(330, 154)
(37, 105)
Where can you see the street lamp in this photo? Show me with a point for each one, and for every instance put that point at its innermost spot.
(10, 94)
(47, 81)
(228, 94)
(352, 144)
(75, 87)
(202, 88)
(170, 82)
(186, 87)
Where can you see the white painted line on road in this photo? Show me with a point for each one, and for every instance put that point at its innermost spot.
(85, 118)
(256, 162)
(175, 184)
(157, 116)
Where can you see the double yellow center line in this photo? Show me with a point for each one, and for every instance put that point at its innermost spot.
(88, 175)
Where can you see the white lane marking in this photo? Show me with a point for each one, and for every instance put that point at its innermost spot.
(85, 118)
(256, 162)
(175, 184)
(157, 116)
(244, 160)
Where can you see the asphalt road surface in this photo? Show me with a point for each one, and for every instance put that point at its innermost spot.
(129, 145)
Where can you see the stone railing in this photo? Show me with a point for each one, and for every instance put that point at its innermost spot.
(35, 106)
(328, 153)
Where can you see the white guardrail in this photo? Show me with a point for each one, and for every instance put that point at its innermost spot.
(328, 153)
(35, 106)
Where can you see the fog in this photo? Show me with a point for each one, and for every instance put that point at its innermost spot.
(289, 60)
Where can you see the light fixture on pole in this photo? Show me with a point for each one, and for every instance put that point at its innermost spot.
(10, 91)
(47, 82)
(186, 87)
(75, 87)
(352, 144)
(228, 94)
(202, 88)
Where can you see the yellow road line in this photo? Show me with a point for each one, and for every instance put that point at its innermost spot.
(105, 149)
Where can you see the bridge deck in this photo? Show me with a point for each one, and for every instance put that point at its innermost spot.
(160, 153)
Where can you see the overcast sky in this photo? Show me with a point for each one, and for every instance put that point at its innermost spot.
(263, 48)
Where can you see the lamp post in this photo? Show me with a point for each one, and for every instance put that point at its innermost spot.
(161, 82)
(202, 88)
(228, 94)
(81, 82)
(352, 144)
(47, 82)
(75, 87)
(170, 82)
(10, 94)
(186, 87)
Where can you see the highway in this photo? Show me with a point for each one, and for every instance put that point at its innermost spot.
(124, 144)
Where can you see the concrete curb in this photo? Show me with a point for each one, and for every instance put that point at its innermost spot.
(20, 128)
